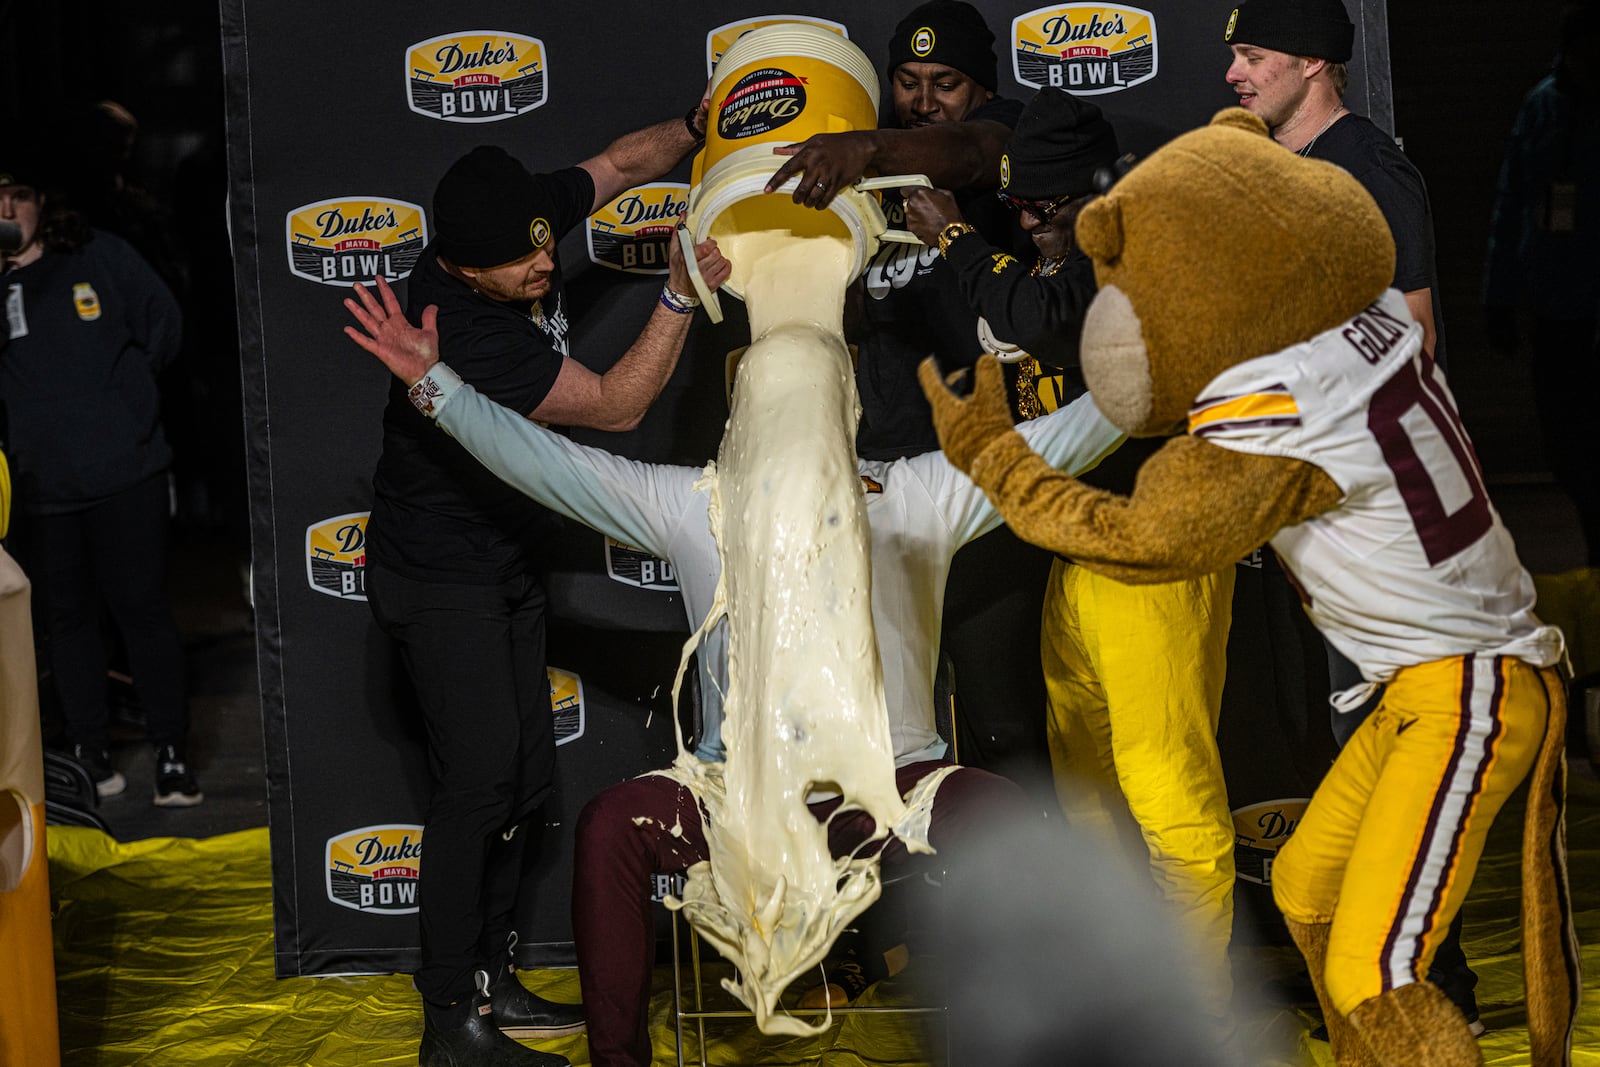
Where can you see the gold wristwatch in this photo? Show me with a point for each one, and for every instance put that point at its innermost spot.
(950, 233)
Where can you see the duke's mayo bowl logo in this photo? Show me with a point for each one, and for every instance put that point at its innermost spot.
(1086, 49)
(635, 566)
(1259, 831)
(336, 556)
(760, 102)
(374, 869)
(718, 40)
(566, 703)
(476, 76)
(632, 232)
(922, 41)
(86, 301)
(354, 240)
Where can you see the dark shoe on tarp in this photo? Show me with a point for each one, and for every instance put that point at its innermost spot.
(465, 1035)
(519, 1012)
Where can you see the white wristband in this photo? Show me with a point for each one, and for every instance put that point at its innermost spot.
(434, 389)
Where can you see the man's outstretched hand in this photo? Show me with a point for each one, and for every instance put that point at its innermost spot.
(967, 427)
(405, 349)
(826, 163)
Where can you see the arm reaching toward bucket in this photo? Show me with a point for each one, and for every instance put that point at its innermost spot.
(645, 155)
(954, 155)
(615, 400)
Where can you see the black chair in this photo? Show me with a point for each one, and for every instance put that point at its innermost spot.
(69, 793)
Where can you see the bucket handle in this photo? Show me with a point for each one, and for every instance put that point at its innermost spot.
(895, 181)
(707, 298)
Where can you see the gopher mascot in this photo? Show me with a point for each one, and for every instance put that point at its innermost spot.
(1243, 305)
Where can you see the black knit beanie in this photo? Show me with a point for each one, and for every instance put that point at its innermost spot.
(1058, 144)
(488, 210)
(950, 32)
(1317, 29)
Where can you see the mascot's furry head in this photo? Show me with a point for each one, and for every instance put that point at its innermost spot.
(1210, 253)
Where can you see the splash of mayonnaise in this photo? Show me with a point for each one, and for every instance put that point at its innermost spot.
(804, 709)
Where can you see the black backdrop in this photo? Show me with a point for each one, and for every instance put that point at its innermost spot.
(340, 120)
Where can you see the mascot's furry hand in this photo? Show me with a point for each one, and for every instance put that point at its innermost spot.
(967, 427)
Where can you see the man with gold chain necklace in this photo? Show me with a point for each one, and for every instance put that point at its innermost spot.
(1133, 674)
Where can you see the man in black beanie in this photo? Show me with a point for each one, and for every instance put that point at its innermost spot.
(948, 123)
(1289, 67)
(454, 555)
(1125, 734)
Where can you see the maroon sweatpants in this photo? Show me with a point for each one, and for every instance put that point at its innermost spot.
(624, 836)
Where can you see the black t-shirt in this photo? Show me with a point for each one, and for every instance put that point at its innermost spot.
(437, 514)
(1373, 159)
(912, 307)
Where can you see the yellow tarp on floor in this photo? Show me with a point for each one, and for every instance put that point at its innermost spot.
(164, 957)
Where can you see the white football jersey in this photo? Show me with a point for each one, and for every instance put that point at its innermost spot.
(1413, 564)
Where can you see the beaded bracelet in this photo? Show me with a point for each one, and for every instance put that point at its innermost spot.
(688, 124)
(677, 303)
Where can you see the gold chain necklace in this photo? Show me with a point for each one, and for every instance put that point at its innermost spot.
(1029, 406)
(1306, 149)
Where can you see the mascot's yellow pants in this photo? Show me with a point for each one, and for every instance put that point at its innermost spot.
(1388, 847)
(1134, 677)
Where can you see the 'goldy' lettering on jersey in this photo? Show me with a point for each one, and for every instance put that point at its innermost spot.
(1373, 333)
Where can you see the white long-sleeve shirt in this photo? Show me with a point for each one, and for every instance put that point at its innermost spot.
(920, 510)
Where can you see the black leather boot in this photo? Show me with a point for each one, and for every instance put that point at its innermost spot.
(453, 1037)
(519, 1012)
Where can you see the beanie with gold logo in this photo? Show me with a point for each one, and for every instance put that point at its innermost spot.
(1316, 29)
(948, 32)
(489, 210)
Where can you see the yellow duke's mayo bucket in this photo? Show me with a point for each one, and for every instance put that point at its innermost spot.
(778, 85)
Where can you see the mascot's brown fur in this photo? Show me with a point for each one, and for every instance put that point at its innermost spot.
(1219, 248)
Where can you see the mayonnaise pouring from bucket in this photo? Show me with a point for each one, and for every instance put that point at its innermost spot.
(804, 710)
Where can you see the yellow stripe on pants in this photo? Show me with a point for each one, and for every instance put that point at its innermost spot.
(1388, 848)
(1134, 679)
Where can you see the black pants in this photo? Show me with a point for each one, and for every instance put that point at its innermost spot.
(992, 607)
(114, 554)
(475, 655)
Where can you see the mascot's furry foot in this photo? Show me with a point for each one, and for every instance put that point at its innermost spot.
(1349, 1048)
(1416, 1026)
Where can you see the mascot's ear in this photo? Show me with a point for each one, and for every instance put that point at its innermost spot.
(1099, 229)
(1239, 119)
